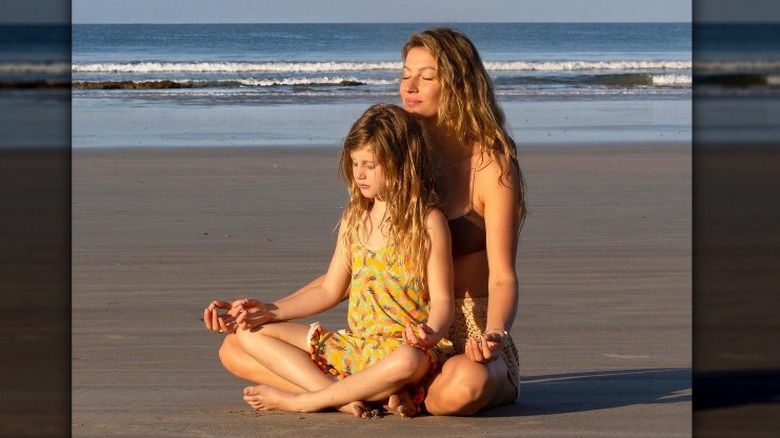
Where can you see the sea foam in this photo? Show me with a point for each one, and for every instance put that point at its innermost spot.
(304, 67)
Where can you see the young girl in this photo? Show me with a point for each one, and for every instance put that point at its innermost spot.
(392, 260)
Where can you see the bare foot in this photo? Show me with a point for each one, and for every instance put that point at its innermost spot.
(357, 409)
(401, 403)
(268, 398)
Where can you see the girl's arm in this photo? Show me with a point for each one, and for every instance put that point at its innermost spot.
(320, 297)
(321, 294)
(440, 284)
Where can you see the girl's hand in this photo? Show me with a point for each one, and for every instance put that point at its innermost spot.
(252, 314)
(420, 335)
(220, 316)
(486, 348)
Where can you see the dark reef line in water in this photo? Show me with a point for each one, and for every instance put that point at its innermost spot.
(131, 85)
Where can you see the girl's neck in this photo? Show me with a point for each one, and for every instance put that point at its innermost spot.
(374, 228)
(377, 208)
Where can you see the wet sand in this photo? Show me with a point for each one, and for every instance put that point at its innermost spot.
(603, 327)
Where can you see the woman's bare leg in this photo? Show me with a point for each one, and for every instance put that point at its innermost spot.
(465, 387)
(378, 382)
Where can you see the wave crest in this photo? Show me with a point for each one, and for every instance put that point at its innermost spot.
(232, 67)
(341, 66)
(260, 83)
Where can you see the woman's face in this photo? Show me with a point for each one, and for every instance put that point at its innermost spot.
(420, 86)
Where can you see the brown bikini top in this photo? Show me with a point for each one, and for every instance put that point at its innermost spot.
(468, 234)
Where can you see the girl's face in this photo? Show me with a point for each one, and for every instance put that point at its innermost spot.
(420, 87)
(368, 173)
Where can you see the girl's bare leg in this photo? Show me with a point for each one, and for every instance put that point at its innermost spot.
(465, 387)
(378, 382)
(276, 355)
(244, 366)
(282, 349)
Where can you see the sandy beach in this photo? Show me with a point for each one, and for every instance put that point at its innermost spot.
(603, 327)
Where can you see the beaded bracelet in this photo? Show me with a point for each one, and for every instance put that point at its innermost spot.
(501, 331)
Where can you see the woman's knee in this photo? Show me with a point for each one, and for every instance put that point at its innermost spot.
(460, 389)
(463, 371)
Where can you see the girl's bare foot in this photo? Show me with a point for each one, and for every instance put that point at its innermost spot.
(402, 403)
(268, 398)
(357, 409)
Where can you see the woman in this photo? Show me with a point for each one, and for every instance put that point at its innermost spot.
(445, 85)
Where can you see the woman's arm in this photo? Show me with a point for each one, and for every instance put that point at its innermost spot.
(498, 193)
(502, 222)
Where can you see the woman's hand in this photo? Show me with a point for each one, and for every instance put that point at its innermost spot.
(420, 335)
(486, 348)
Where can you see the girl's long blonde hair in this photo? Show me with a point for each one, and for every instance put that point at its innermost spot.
(467, 104)
(397, 141)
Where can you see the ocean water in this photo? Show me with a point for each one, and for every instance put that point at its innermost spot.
(737, 82)
(304, 84)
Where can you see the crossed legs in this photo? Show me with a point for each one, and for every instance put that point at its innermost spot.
(276, 358)
(375, 383)
(275, 355)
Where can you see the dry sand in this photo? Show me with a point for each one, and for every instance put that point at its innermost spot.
(603, 327)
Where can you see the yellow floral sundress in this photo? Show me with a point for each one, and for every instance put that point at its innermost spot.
(384, 298)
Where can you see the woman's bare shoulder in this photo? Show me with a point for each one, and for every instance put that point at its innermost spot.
(495, 168)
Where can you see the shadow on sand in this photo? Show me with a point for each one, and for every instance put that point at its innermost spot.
(578, 392)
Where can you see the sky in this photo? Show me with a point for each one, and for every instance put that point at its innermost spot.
(341, 11)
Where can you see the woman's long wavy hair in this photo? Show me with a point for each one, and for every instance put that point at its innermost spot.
(398, 143)
(467, 104)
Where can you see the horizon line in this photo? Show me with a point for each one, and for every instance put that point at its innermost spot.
(367, 22)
